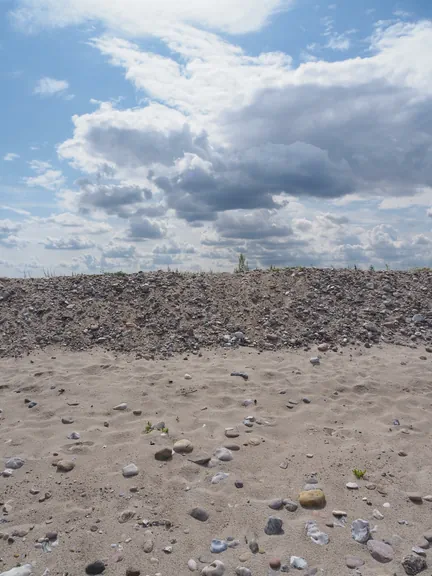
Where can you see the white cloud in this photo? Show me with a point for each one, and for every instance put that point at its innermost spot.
(46, 177)
(147, 17)
(47, 86)
(83, 225)
(10, 157)
(70, 243)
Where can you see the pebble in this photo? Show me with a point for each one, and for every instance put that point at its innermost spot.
(125, 516)
(164, 454)
(217, 478)
(253, 545)
(370, 486)
(377, 515)
(242, 571)
(238, 484)
(428, 498)
(312, 499)
(201, 460)
(314, 361)
(232, 432)
(14, 463)
(254, 441)
(67, 420)
(31, 404)
(132, 572)
(423, 543)
(297, 562)
(122, 406)
(192, 565)
(183, 446)
(276, 504)
(7, 472)
(137, 412)
(74, 436)
(324, 347)
(248, 422)
(418, 550)
(380, 551)
(306, 400)
(414, 564)
(360, 531)
(353, 562)
(217, 546)
(148, 543)
(130, 470)
(428, 535)
(274, 526)
(95, 568)
(415, 497)
(223, 454)
(339, 513)
(402, 453)
(199, 514)
(187, 377)
(65, 465)
(290, 505)
(216, 568)
(315, 534)
(309, 455)
(352, 486)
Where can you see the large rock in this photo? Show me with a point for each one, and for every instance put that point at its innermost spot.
(380, 551)
(413, 564)
(312, 499)
(183, 446)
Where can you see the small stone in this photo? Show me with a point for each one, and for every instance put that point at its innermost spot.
(199, 514)
(65, 466)
(200, 460)
(275, 563)
(187, 377)
(402, 453)
(370, 486)
(130, 470)
(67, 420)
(31, 404)
(290, 505)
(418, 550)
(377, 515)
(312, 499)
(415, 497)
(183, 446)
(423, 543)
(238, 484)
(164, 454)
(137, 412)
(298, 563)
(274, 526)
(216, 568)
(217, 478)
(74, 436)
(253, 544)
(276, 504)
(232, 447)
(254, 441)
(428, 498)
(125, 516)
(168, 549)
(242, 571)
(324, 347)
(428, 535)
(353, 562)
(223, 454)
(192, 565)
(7, 472)
(133, 572)
(360, 531)
(148, 545)
(315, 534)
(306, 400)
(352, 486)
(34, 491)
(414, 564)
(339, 513)
(95, 568)
(380, 551)
(51, 536)
(122, 406)
(15, 463)
(314, 361)
(241, 375)
(232, 432)
(217, 546)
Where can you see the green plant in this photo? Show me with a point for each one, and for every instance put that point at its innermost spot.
(371, 268)
(242, 266)
(165, 430)
(359, 474)
(387, 267)
(149, 427)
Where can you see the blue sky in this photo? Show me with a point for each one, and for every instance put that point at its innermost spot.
(178, 134)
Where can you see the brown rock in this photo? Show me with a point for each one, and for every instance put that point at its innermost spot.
(312, 499)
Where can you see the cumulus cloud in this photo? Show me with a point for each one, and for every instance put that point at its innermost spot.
(70, 243)
(69, 220)
(46, 177)
(47, 86)
(10, 157)
(141, 228)
(8, 234)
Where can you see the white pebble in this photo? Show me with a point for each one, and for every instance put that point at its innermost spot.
(188, 377)
(192, 565)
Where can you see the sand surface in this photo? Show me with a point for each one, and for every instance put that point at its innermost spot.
(355, 397)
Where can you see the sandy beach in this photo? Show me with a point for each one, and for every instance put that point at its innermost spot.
(365, 409)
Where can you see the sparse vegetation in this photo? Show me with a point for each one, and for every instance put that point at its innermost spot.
(165, 430)
(242, 265)
(359, 474)
(149, 427)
